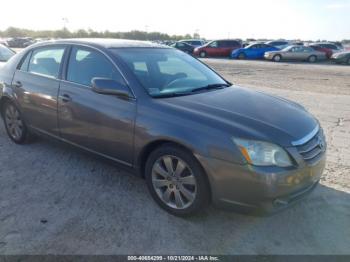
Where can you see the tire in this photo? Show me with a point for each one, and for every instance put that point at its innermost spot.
(182, 194)
(203, 54)
(312, 59)
(15, 126)
(277, 58)
(241, 56)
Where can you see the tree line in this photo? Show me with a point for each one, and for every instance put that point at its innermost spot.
(81, 33)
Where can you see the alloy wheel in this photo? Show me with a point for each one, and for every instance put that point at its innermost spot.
(14, 123)
(174, 182)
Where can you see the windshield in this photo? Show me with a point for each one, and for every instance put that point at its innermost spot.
(166, 72)
(5, 53)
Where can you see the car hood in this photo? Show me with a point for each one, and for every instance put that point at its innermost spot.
(247, 114)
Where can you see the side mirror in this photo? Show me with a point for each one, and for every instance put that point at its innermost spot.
(109, 87)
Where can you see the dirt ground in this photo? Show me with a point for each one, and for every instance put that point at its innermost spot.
(61, 201)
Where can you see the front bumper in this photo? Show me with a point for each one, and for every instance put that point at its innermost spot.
(268, 56)
(260, 190)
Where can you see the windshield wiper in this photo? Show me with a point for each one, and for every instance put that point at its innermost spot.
(164, 95)
(207, 87)
(210, 87)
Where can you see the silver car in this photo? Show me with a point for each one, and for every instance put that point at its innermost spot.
(295, 52)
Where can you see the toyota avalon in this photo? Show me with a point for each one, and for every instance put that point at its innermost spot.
(195, 137)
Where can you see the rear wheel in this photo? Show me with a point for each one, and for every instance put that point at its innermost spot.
(176, 181)
(242, 56)
(277, 58)
(312, 59)
(14, 123)
(203, 54)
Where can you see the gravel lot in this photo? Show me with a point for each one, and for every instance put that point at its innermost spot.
(61, 201)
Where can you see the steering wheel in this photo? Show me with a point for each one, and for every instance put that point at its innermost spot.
(174, 79)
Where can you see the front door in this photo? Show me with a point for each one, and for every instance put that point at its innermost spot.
(101, 123)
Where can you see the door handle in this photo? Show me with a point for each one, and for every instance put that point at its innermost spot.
(17, 84)
(65, 98)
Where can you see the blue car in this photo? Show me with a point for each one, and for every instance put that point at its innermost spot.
(253, 51)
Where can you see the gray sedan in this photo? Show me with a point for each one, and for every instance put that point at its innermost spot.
(297, 53)
(193, 136)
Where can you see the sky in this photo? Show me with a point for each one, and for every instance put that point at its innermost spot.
(212, 19)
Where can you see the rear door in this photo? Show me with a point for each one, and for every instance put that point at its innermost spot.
(100, 123)
(36, 83)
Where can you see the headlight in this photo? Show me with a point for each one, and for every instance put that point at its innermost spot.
(261, 153)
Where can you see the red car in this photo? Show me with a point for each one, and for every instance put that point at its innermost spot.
(217, 48)
(323, 49)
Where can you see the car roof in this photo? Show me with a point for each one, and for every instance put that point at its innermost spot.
(105, 42)
(324, 43)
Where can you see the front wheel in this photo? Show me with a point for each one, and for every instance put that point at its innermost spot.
(312, 59)
(14, 123)
(203, 54)
(176, 181)
(241, 56)
(277, 58)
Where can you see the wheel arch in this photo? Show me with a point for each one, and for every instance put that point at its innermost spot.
(153, 145)
(3, 101)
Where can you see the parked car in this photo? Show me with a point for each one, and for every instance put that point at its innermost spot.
(194, 42)
(280, 44)
(190, 133)
(295, 52)
(187, 48)
(255, 51)
(341, 57)
(217, 48)
(20, 42)
(5, 53)
(335, 48)
(3, 42)
(328, 52)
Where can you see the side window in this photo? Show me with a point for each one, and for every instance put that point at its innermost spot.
(85, 64)
(234, 43)
(46, 61)
(213, 44)
(222, 44)
(25, 62)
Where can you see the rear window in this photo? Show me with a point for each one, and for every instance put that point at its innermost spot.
(46, 61)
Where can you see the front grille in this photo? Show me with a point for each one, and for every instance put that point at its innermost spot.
(313, 149)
